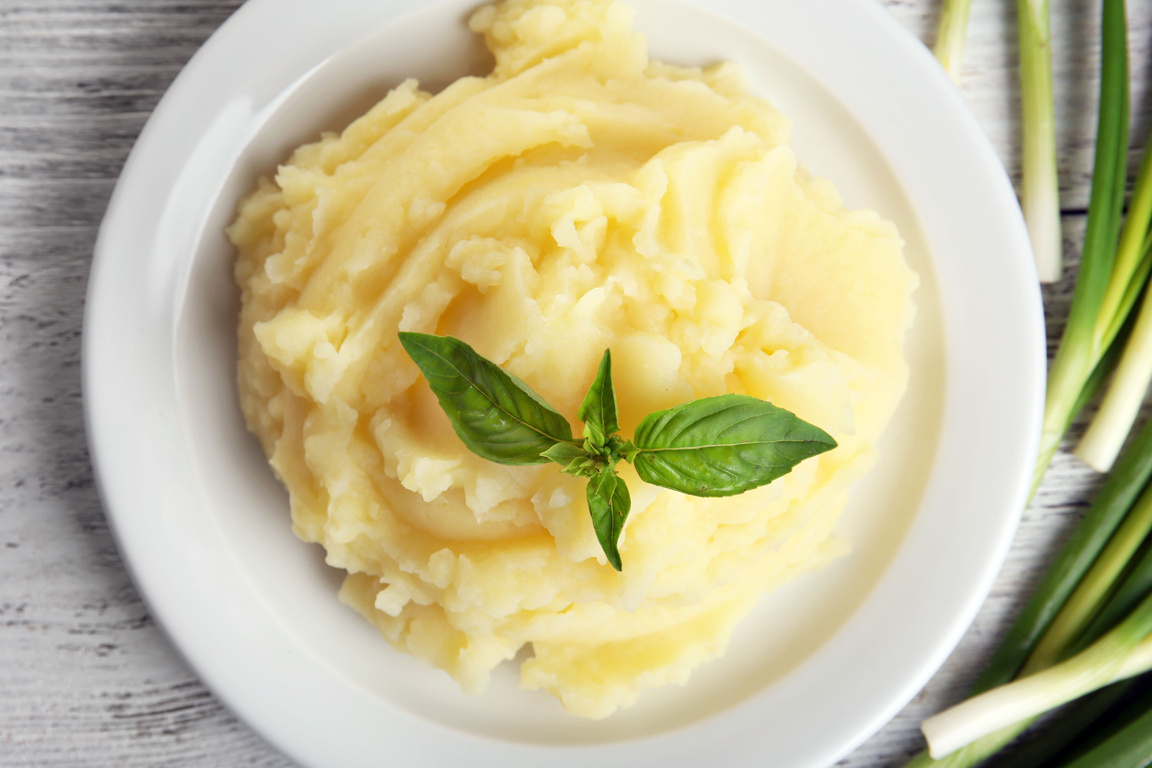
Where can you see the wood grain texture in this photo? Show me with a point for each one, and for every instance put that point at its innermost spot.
(87, 678)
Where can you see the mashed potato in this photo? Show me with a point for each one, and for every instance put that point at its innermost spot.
(580, 197)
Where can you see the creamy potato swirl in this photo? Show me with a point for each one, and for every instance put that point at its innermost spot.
(580, 197)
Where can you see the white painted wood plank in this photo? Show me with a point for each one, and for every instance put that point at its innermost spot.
(87, 678)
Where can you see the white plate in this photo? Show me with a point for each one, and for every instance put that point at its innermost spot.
(820, 665)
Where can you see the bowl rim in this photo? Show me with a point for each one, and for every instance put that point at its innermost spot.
(248, 684)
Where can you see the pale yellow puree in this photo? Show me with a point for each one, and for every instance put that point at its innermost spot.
(580, 197)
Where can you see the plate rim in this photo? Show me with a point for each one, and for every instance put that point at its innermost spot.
(221, 51)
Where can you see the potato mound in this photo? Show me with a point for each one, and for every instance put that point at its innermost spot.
(580, 197)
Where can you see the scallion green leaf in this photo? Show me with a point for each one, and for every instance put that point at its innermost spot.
(1086, 337)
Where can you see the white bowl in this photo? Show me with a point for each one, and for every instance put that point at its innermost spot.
(821, 664)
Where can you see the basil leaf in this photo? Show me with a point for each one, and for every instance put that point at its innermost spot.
(496, 415)
(573, 459)
(598, 411)
(722, 446)
(609, 502)
(565, 453)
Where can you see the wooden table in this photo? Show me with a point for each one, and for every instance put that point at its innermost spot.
(86, 676)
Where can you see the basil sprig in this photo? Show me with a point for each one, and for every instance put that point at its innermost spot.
(716, 446)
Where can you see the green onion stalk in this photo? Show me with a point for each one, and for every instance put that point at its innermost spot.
(1120, 406)
(1071, 569)
(1107, 288)
(1079, 571)
(1094, 324)
(1040, 196)
(1120, 577)
(951, 35)
(1094, 723)
(1120, 654)
(1094, 588)
(1078, 727)
(1126, 741)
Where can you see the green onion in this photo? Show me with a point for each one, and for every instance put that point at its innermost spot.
(1112, 423)
(1117, 496)
(951, 35)
(1096, 585)
(1119, 492)
(1125, 740)
(1089, 551)
(1090, 331)
(1040, 196)
(1078, 726)
(996, 720)
(1107, 288)
(1134, 585)
(1110, 427)
(972, 754)
(1121, 405)
(1123, 652)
